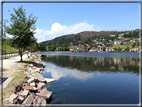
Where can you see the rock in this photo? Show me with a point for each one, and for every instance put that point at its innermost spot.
(29, 76)
(33, 84)
(41, 69)
(18, 88)
(38, 66)
(35, 100)
(27, 70)
(29, 99)
(32, 79)
(30, 65)
(25, 84)
(41, 101)
(49, 80)
(13, 98)
(33, 95)
(44, 93)
(38, 76)
(25, 93)
(28, 87)
(20, 99)
(41, 86)
(36, 70)
(34, 67)
(35, 89)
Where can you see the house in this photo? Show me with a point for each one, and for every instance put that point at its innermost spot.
(79, 47)
(100, 48)
(123, 49)
(108, 49)
(113, 49)
(136, 48)
(133, 40)
(92, 50)
(115, 42)
(85, 48)
(112, 35)
(72, 49)
(47, 48)
(126, 41)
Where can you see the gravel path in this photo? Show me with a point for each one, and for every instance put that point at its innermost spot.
(7, 63)
(11, 65)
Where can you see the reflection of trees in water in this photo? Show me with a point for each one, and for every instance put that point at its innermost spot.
(90, 64)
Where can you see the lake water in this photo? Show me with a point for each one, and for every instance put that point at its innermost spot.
(92, 78)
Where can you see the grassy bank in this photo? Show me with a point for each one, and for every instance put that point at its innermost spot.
(9, 49)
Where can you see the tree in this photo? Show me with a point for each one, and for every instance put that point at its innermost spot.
(119, 49)
(33, 45)
(22, 29)
(133, 45)
(127, 49)
(104, 48)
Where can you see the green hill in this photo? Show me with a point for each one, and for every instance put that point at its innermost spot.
(76, 39)
(9, 49)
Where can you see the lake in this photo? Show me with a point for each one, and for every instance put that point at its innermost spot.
(92, 78)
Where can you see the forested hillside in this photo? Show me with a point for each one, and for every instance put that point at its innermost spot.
(79, 38)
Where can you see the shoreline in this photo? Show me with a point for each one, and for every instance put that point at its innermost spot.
(85, 52)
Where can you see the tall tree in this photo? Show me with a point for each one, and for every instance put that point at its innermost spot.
(22, 29)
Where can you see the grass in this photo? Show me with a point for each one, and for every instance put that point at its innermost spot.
(16, 81)
(9, 49)
(124, 45)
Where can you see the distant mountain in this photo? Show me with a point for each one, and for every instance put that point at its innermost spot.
(75, 39)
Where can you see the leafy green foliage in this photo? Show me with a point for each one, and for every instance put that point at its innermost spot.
(22, 28)
(131, 35)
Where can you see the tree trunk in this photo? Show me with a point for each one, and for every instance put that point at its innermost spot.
(20, 53)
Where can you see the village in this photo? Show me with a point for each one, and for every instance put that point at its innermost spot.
(110, 46)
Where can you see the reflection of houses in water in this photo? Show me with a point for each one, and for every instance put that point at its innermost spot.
(133, 62)
(126, 62)
(118, 61)
(110, 61)
(56, 56)
(115, 61)
(139, 63)
(71, 58)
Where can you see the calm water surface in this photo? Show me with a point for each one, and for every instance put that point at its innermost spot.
(92, 78)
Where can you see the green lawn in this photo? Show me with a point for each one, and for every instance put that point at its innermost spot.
(9, 49)
(124, 45)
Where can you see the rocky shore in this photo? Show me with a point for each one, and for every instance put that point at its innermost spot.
(33, 90)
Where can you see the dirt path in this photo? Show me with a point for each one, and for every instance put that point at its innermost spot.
(10, 65)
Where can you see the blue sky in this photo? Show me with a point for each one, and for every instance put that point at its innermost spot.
(56, 19)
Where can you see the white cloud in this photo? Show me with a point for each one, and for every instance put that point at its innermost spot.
(57, 73)
(58, 30)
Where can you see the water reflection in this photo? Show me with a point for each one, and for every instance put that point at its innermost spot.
(92, 64)
(58, 72)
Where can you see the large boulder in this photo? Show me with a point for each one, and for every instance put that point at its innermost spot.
(13, 98)
(41, 85)
(25, 93)
(29, 99)
(44, 93)
(28, 87)
(49, 80)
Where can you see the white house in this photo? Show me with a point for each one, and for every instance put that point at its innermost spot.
(112, 35)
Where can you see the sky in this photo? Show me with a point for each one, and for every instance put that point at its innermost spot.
(57, 19)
